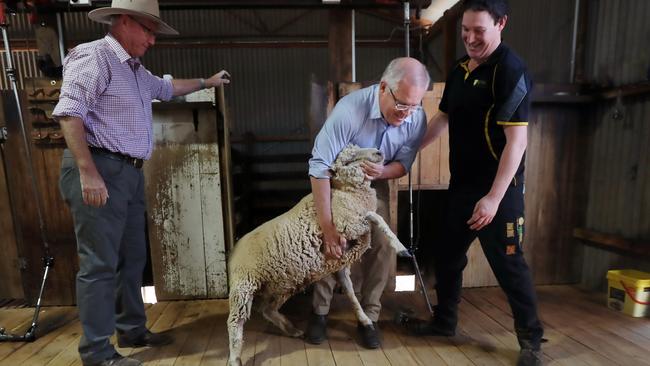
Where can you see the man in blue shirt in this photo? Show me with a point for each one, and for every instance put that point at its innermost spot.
(386, 116)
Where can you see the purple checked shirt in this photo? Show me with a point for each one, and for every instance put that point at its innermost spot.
(111, 92)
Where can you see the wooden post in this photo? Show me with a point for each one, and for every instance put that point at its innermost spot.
(340, 45)
(449, 34)
(581, 43)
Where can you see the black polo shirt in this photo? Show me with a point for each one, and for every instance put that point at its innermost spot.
(479, 104)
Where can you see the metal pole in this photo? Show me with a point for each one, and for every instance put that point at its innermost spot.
(59, 29)
(407, 46)
(354, 50)
(407, 23)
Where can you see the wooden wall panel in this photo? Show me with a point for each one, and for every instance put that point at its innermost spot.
(11, 286)
(554, 179)
(186, 227)
(430, 169)
(46, 160)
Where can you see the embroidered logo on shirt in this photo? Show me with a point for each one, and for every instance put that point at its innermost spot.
(479, 83)
(511, 249)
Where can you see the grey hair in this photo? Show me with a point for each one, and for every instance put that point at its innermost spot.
(399, 70)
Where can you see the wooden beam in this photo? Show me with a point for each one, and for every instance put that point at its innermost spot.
(449, 35)
(60, 6)
(614, 242)
(642, 88)
(581, 43)
(270, 138)
(340, 45)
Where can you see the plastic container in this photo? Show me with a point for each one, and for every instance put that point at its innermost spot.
(629, 292)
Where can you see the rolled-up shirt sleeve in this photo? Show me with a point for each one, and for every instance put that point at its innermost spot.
(332, 138)
(86, 76)
(407, 152)
(161, 89)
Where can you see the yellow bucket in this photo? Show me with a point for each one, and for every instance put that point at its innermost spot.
(629, 292)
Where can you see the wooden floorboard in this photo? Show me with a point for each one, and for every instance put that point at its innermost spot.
(580, 329)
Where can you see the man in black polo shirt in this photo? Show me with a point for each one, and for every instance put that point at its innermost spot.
(485, 104)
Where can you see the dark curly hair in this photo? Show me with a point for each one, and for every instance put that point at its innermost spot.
(497, 8)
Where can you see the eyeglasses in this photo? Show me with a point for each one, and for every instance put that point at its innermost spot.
(147, 30)
(404, 107)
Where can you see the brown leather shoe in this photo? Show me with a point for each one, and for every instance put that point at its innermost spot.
(117, 360)
(147, 339)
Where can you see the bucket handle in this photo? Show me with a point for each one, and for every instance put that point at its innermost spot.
(631, 295)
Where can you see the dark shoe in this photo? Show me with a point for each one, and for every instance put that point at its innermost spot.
(369, 335)
(117, 360)
(316, 329)
(529, 357)
(431, 328)
(147, 339)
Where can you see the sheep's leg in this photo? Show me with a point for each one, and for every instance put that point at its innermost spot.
(379, 223)
(271, 313)
(241, 300)
(343, 276)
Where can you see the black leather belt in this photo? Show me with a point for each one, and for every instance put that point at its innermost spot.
(137, 163)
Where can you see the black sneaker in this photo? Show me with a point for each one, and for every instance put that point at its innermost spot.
(529, 357)
(116, 360)
(369, 335)
(430, 328)
(316, 329)
(146, 339)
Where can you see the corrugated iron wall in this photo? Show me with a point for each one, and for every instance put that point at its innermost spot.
(619, 34)
(540, 31)
(24, 63)
(270, 89)
(619, 183)
(619, 178)
(619, 191)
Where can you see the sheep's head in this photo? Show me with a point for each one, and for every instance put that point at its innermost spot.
(347, 166)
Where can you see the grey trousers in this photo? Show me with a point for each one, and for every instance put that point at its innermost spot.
(369, 275)
(112, 254)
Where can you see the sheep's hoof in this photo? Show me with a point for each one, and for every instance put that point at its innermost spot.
(235, 362)
(296, 333)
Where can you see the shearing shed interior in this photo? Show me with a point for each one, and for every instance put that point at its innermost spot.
(232, 109)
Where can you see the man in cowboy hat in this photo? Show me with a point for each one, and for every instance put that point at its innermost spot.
(105, 114)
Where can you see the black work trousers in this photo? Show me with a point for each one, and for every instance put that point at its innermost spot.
(501, 242)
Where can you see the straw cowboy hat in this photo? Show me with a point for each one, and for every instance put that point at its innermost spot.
(147, 9)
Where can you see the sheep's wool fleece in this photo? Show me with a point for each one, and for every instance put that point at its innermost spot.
(284, 255)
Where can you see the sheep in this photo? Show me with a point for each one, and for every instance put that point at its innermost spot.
(283, 256)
